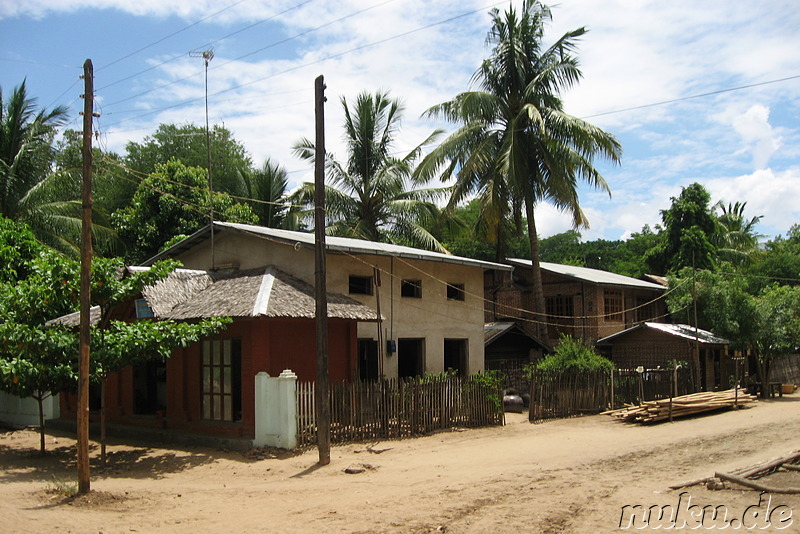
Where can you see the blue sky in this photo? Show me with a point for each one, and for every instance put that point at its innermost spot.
(742, 144)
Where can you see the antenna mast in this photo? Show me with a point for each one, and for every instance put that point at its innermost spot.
(207, 56)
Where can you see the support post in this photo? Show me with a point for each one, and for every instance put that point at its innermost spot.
(86, 269)
(321, 397)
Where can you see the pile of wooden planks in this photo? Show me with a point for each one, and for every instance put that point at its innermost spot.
(744, 476)
(660, 410)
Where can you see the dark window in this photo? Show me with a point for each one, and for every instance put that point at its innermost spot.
(411, 289)
(645, 309)
(612, 306)
(455, 291)
(222, 380)
(360, 285)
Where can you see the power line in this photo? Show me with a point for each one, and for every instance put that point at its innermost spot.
(691, 97)
(171, 35)
(206, 45)
(271, 45)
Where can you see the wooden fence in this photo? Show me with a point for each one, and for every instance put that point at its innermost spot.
(392, 409)
(570, 393)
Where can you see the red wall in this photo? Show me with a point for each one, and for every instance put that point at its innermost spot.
(269, 345)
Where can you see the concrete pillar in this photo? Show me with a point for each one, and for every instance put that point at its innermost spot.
(276, 410)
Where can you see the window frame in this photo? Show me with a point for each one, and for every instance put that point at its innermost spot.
(613, 306)
(356, 282)
(455, 292)
(222, 402)
(411, 289)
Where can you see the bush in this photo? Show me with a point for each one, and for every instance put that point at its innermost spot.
(574, 355)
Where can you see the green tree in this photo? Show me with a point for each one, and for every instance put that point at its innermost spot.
(172, 201)
(516, 146)
(779, 262)
(689, 227)
(766, 324)
(736, 238)
(369, 196)
(269, 188)
(187, 144)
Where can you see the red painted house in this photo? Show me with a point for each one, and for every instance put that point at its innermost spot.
(208, 387)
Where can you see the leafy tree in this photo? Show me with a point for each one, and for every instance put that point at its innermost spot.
(516, 145)
(187, 144)
(173, 200)
(766, 324)
(689, 227)
(779, 262)
(369, 196)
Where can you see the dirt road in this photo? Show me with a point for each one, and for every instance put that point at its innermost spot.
(571, 475)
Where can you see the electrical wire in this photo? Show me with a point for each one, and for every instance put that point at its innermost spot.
(169, 36)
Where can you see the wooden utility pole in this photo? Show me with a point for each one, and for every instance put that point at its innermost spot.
(321, 392)
(86, 270)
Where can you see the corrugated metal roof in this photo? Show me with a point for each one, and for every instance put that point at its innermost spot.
(684, 331)
(333, 244)
(595, 276)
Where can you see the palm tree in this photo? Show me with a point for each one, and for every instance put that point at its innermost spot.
(735, 237)
(368, 195)
(516, 146)
(268, 188)
(30, 192)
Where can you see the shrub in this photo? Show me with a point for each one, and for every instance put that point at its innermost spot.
(574, 355)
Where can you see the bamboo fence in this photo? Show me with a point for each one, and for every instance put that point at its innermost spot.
(398, 408)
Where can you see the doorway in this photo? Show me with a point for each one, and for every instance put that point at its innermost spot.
(367, 359)
(455, 356)
(410, 357)
(150, 388)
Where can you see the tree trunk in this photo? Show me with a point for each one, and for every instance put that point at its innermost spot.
(40, 400)
(103, 422)
(763, 374)
(538, 291)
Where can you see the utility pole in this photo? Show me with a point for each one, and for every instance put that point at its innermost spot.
(86, 270)
(207, 56)
(321, 392)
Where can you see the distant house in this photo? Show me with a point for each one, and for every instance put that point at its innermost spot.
(581, 302)
(653, 345)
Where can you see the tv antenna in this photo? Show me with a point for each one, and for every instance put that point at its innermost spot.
(207, 56)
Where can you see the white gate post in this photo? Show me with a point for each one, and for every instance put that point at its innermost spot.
(287, 435)
(261, 409)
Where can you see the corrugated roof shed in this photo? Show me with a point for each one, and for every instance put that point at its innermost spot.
(684, 331)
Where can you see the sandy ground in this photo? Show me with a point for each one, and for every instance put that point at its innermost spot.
(561, 476)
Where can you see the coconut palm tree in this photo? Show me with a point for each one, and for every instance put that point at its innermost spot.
(735, 237)
(30, 192)
(369, 196)
(516, 146)
(268, 188)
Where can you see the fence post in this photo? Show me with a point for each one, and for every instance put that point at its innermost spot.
(287, 385)
(262, 410)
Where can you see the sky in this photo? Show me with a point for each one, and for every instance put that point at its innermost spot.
(704, 92)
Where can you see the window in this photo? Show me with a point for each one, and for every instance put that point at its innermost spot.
(612, 306)
(222, 380)
(360, 285)
(455, 291)
(558, 308)
(411, 289)
(645, 309)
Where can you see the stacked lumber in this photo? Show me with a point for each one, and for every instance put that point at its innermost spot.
(685, 405)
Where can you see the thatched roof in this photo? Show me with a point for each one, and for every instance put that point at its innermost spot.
(191, 294)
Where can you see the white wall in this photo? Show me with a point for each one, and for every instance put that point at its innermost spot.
(23, 412)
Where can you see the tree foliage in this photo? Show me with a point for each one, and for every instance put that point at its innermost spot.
(187, 143)
(173, 200)
(573, 354)
(374, 195)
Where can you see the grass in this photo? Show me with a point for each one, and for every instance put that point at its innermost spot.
(62, 487)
